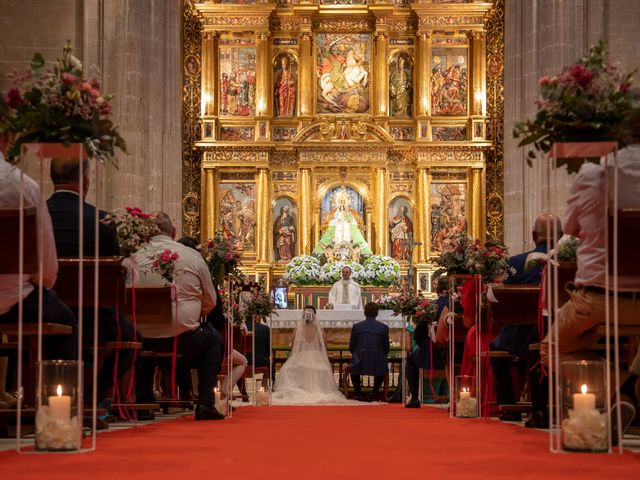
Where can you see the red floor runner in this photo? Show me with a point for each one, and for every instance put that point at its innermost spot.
(369, 442)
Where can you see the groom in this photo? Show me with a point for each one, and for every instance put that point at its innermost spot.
(369, 346)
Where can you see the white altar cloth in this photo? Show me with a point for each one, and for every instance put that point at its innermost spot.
(333, 318)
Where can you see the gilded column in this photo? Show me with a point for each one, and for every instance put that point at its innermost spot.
(479, 74)
(264, 99)
(305, 75)
(263, 215)
(209, 73)
(381, 210)
(477, 230)
(423, 106)
(209, 207)
(305, 211)
(422, 214)
(381, 98)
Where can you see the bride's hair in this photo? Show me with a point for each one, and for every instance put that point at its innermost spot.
(310, 307)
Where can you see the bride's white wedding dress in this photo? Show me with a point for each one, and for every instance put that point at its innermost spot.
(306, 377)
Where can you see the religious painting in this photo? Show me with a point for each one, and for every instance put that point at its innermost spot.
(237, 77)
(237, 203)
(449, 134)
(284, 134)
(402, 134)
(343, 2)
(343, 62)
(400, 216)
(192, 65)
(208, 130)
(423, 130)
(237, 134)
(447, 216)
(262, 131)
(401, 86)
(423, 282)
(478, 130)
(449, 81)
(238, 2)
(284, 230)
(285, 85)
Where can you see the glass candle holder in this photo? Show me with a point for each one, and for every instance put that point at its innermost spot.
(59, 406)
(466, 399)
(263, 394)
(585, 420)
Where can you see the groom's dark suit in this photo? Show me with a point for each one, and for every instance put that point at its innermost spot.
(369, 346)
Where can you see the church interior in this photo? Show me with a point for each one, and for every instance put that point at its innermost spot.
(303, 138)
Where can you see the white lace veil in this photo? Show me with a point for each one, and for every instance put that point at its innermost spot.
(308, 334)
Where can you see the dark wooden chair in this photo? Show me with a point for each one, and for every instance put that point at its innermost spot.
(110, 281)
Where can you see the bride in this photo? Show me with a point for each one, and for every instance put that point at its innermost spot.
(307, 377)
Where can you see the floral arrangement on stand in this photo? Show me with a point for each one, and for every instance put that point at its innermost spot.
(60, 105)
(375, 270)
(261, 304)
(588, 101)
(568, 249)
(133, 228)
(221, 256)
(464, 255)
(164, 264)
(407, 303)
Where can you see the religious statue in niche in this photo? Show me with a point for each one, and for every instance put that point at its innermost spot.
(342, 238)
(449, 81)
(284, 230)
(285, 87)
(401, 87)
(237, 213)
(401, 230)
(448, 217)
(343, 73)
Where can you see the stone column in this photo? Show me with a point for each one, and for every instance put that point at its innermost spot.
(305, 212)
(381, 211)
(209, 98)
(423, 97)
(381, 94)
(421, 215)
(306, 75)
(208, 204)
(262, 213)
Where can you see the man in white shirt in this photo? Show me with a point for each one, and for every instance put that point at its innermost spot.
(197, 341)
(585, 310)
(345, 292)
(53, 309)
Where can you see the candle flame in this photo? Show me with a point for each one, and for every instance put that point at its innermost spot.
(59, 390)
(465, 389)
(584, 389)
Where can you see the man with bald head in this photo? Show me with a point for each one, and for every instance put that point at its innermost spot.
(64, 206)
(197, 341)
(515, 339)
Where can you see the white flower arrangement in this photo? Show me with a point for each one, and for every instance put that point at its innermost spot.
(303, 270)
(381, 271)
(332, 272)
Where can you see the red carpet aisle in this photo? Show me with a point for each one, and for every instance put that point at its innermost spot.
(373, 442)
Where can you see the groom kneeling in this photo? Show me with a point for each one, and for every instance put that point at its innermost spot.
(369, 346)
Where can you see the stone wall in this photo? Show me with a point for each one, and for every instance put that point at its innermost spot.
(136, 46)
(541, 36)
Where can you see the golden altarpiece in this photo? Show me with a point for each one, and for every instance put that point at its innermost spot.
(389, 108)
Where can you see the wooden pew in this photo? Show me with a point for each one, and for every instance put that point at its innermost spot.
(516, 305)
(110, 281)
(10, 228)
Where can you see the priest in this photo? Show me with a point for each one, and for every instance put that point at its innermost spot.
(345, 292)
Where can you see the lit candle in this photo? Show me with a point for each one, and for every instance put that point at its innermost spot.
(465, 393)
(218, 398)
(262, 397)
(584, 402)
(60, 406)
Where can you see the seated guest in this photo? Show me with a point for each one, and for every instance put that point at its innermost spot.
(369, 347)
(584, 218)
(262, 336)
(197, 341)
(421, 357)
(53, 309)
(64, 206)
(515, 339)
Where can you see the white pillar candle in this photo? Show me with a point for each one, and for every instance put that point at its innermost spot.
(262, 397)
(60, 406)
(584, 402)
(218, 398)
(465, 393)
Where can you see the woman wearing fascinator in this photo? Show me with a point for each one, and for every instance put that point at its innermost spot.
(307, 377)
